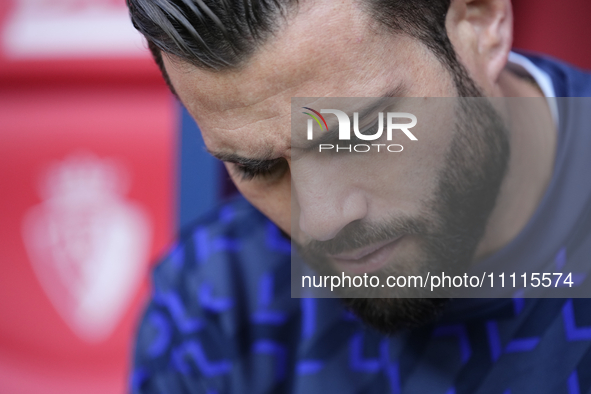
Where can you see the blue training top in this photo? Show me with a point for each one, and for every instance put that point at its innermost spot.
(221, 318)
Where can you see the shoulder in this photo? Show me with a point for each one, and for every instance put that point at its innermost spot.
(233, 245)
(568, 80)
(224, 281)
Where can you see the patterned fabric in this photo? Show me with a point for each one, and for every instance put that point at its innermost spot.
(221, 320)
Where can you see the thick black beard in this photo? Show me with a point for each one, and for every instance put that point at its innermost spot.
(468, 185)
(392, 315)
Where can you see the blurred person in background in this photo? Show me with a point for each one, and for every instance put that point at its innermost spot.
(222, 319)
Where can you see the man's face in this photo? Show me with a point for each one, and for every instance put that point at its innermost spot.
(334, 50)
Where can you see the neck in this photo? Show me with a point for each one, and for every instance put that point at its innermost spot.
(533, 144)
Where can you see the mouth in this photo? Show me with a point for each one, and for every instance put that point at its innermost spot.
(367, 259)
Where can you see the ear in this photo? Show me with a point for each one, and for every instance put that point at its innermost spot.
(481, 32)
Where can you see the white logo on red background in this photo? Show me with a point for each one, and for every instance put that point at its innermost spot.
(87, 243)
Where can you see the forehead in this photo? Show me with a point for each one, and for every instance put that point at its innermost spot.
(327, 49)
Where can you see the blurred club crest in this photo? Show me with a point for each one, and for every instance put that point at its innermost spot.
(87, 243)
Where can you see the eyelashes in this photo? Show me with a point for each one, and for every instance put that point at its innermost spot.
(266, 170)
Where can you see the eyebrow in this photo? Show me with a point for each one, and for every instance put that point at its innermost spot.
(332, 134)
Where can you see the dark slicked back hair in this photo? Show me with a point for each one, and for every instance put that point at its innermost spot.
(223, 34)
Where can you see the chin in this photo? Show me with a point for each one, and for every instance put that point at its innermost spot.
(392, 315)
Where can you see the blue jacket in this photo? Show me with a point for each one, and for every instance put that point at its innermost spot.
(221, 320)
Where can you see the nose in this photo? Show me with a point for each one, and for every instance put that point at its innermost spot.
(326, 200)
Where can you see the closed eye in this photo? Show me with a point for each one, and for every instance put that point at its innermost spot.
(264, 169)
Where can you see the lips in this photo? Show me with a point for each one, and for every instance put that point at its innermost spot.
(365, 260)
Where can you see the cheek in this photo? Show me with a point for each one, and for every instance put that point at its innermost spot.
(272, 199)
